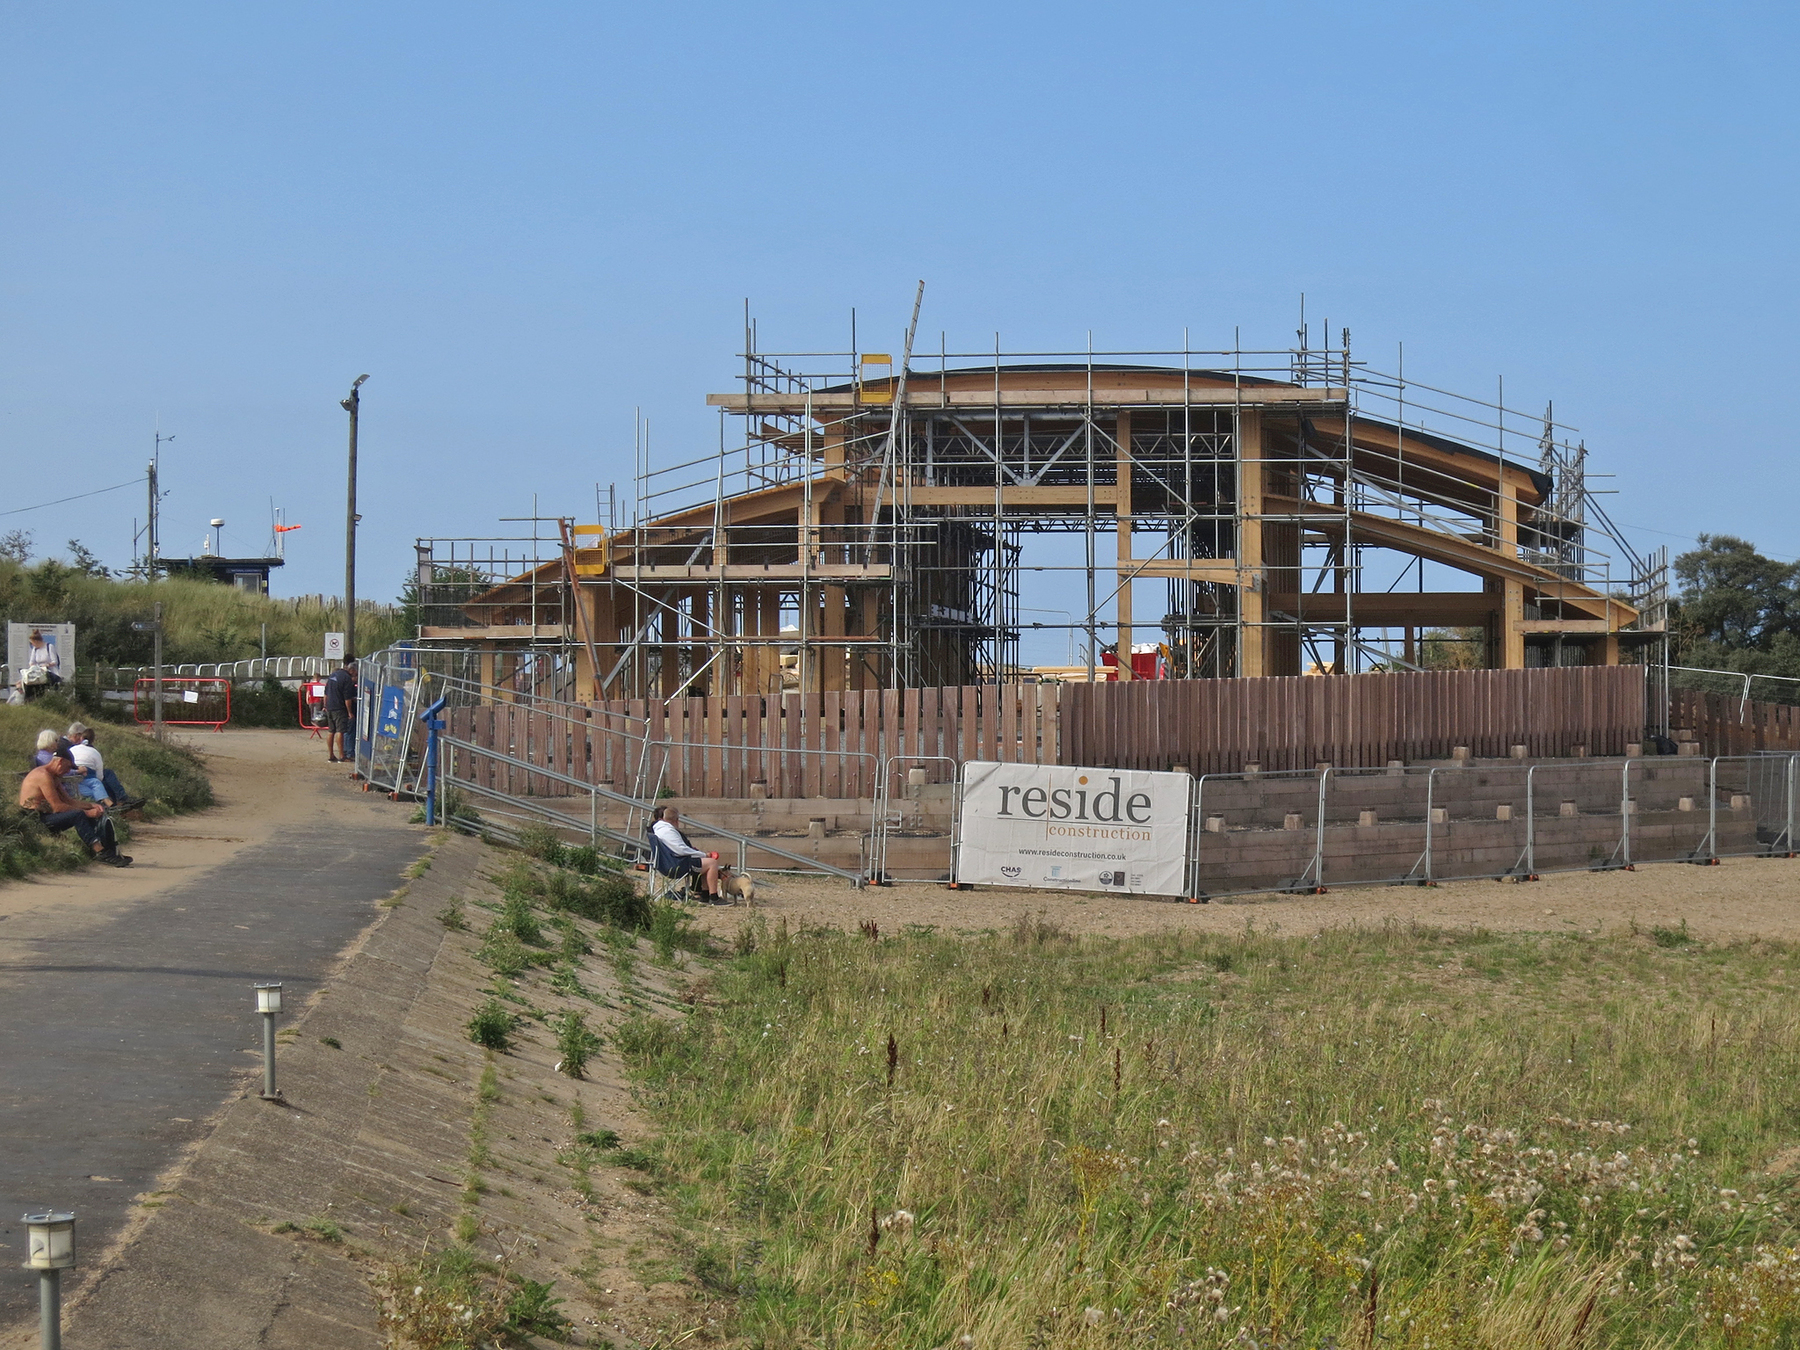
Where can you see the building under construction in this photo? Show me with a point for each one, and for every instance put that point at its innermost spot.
(878, 520)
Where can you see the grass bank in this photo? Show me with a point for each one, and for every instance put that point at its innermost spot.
(169, 778)
(1402, 1137)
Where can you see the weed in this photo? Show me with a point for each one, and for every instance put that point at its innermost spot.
(492, 1025)
(1671, 937)
(564, 980)
(517, 918)
(599, 1139)
(575, 1043)
(332, 1041)
(531, 1311)
(503, 953)
(419, 868)
(452, 915)
(540, 841)
(326, 1230)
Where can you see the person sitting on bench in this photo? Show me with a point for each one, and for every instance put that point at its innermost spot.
(42, 794)
(675, 857)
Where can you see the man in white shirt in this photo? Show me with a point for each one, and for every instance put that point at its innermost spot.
(98, 783)
(688, 860)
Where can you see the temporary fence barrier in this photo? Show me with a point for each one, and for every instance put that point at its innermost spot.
(186, 701)
(1301, 832)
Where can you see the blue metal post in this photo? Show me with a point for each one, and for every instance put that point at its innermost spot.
(433, 725)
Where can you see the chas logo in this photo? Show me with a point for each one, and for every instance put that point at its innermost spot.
(1011, 871)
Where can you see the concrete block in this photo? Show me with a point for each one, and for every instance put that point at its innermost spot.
(1691, 748)
(1291, 821)
(1518, 752)
(1578, 751)
(1215, 824)
(1460, 753)
(1569, 810)
(759, 791)
(1439, 816)
(815, 828)
(1628, 807)
(1366, 818)
(1320, 766)
(1503, 811)
(1396, 768)
(1685, 804)
(917, 777)
(1252, 770)
(1178, 768)
(1634, 749)
(1740, 801)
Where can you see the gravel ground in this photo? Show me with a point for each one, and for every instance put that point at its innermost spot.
(1739, 898)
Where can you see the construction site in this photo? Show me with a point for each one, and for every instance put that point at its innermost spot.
(870, 520)
(1314, 585)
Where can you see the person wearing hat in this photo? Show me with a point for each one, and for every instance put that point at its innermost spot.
(97, 782)
(43, 795)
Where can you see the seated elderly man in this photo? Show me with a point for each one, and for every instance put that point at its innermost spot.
(95, 781)
(683, 859)
(42, 794)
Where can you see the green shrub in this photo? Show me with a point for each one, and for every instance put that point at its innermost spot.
(517, 918)
(541, 842)
(575, 1042)
(503, 953)
(531, 1311)
(491, 1025)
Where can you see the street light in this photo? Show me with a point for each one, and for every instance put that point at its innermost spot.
(268, 1003)
(350, 405)
(51, 1248)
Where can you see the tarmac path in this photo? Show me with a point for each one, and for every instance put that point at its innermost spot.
(126, 1015)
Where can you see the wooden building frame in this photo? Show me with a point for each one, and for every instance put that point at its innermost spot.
(867, 532)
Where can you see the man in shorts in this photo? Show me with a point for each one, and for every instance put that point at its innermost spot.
(340, 711)
(685, 859)
(42, 794)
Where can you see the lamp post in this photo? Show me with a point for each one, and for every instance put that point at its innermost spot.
(350, 405)
(51, 1248)
(268, 1003)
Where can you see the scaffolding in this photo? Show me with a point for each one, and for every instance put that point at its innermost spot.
(869, 524)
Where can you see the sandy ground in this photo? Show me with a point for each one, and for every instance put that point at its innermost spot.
(1739, 898)
(260, 779)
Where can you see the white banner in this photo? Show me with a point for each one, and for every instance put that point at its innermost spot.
(1073, 829)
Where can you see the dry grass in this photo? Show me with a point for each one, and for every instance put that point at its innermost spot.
(1399, 1137)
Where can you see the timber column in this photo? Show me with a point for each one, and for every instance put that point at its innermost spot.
(1122, 527)
(1511, 637)
(1252, 598)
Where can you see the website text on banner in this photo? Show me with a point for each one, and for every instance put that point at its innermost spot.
(1064, 828)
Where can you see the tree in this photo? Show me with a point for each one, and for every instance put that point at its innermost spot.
(85, 560)
(16, 544)
(1740, 611)
(1733, 597)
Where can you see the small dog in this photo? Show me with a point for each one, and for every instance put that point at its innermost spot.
(739, 886)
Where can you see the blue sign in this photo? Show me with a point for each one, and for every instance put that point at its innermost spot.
(393, 702)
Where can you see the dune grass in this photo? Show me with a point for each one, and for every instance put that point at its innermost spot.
(202, 621)
(1399, 1137)
(169, 778)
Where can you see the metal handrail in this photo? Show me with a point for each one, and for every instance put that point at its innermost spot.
(596, 792)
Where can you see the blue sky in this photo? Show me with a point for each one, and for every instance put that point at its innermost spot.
(526, 221)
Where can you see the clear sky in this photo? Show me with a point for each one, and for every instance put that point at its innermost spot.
(525, 221)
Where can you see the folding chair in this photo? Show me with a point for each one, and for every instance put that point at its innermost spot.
(668, 879)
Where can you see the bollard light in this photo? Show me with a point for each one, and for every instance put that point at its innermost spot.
(268, 1003)
(51, 1250)
(52, 1240)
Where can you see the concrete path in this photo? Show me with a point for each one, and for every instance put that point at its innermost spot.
(125, 996)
